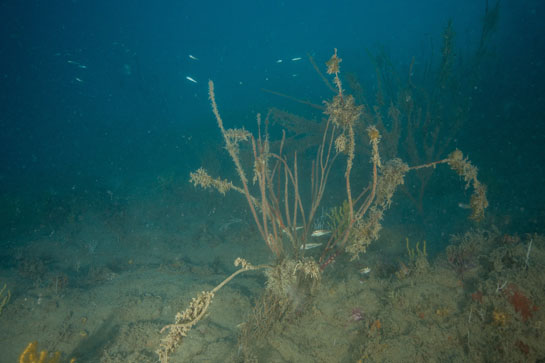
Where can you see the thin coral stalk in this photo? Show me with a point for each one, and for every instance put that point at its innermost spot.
(234, 156)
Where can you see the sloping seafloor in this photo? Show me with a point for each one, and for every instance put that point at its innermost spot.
(100, 286)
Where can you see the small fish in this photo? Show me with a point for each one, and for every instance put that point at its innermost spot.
(464, 206)
(190, 79)
(296, 59)
(308, 246)
(78, 79)
(320, 232)
(279, 61)
(79, 65)
(193, 57)
(365, 270)
(285, 230)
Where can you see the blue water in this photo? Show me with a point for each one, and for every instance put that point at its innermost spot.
(120, 118)
(95, 97)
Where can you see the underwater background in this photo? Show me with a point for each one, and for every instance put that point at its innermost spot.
(105, 111)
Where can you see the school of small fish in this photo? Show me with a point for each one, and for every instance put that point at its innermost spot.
(192, 57)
